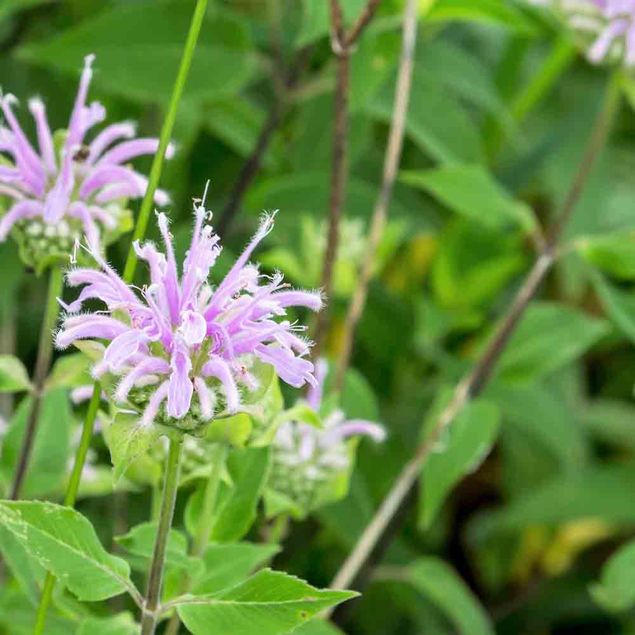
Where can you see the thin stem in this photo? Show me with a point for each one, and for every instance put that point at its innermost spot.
(42, 366)
(342, 43)
(391, 165)
(166, 133)
(205, 524)
(131, 262)
(477, 379)
(149, 614)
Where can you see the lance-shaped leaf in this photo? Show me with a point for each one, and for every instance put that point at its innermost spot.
(445, 589)
(461, 450)
(13, 375)
(65, 543)
(269, 603)
(122, 624)
(616, 591)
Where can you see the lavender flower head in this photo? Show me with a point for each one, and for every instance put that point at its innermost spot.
(607, 27)
(307, 460)
(68, 187)
(183, 351)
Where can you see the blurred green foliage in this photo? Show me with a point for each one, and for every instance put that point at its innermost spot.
(533, 488)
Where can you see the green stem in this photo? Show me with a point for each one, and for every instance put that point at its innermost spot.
(164, 138)
(42, 366)
(131, 262)
(205, 524)
(149, 614)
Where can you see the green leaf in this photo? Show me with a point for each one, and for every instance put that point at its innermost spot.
(548, 337)
(611, 421)
(543, 415)
(498, 12)
(619, 305)
(70, 371)
(471, 191)
(273, 602)
(65, 543)
(235, 430)
(122, 624)
(315, 19)
(25, 569)
(616, 589)
(13, 375)
(437, 123)
(237, 500)
(460, 451)
(613, 253)
(49, 462)
(238, 123)
(138, 51)
(128, 440)
(228, 564)
(140, 542)
(595, 492)
(17, 616)
(445, 589)
(318, 627)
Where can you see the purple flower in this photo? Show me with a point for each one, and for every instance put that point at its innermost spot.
(607, 26)
(65, 192)
(305, 457)
(178, 340)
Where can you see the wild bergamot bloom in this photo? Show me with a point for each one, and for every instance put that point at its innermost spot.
(607, 27)
(68, 187)
(308, 460)
(181, 349)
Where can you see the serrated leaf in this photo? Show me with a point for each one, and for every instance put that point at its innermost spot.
(616, 589)
(460, 451)
(128, 440)
(275, 602)
(65, 543)
(471, 191)
(445, 589)
(138, 51)
(228, 564)
(13, 375)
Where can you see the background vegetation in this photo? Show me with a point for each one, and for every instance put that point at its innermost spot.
(519, 544)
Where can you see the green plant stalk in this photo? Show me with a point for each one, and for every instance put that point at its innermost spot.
(42, 367)
(205, 524)
(130, 268)
(150, 613)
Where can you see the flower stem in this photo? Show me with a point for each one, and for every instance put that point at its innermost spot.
(155, 580)
(205, 523)
(131, 262)
(42, 366)
(472, 384)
